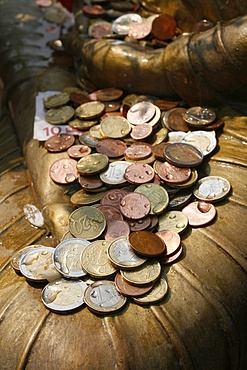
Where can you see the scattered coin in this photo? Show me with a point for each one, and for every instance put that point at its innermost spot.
(199, 116)
(92, 164)
(164, 27)
(183, 155)
(90, 110)
(57, 116)
(212, 188)
(199, 213)
(87, 223)
(130, 290)
(155, 295)
(64, 171)
(173, 220)
(202, 140)
(171, 239)
(141, 113)
(78, 151)
(122, 24)
(116, 229)
(135, 206)
(59, 143)
(146, 243)
(147, 273)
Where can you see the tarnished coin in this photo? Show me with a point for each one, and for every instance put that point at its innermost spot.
(202, 140)
(199, 116)
(141, 132)
(212, 188)
(115, 173)
(102, 297)
(64, 171)
(157, 196)
(135, 206)
(139, 31)
(67, 257)
(171, 258)
(90, 110)
(16, 259)
(137, 151)
(81, 197)
(165, 105)
(79, 97)
(164, 27)
(122, 255)
(100, 29)
(87, 139)
(92, 164)
(93, 9)
(116, 229)
(141, 113)
(106, 95)
(183, 155)
(87, 223)
(56, 100)
(147, 273)
(115, 127)
(122, 24)
(113, 148)
(64, 295)
(173, 220)
(37, 264)
(199, 213)
(129, 290)
(90, 182)
(173, 174)
(158, 151)
(155, 295)
(137, 225)
(112, 107)
(146, 243)
(139, 173)
(187, 184)
(171, 239)
(57, 116)
(113, 198)
(59, 143)
(173, 119)
(78, 151)
(95, 261)
(111, 213)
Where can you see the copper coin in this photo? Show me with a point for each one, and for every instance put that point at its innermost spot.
(173, 174)
(199, 213)
(146, 243)
(127, 289)
(113, 198)
(135, 206)
(90, 182)
(93, 10)
(107, 94)
(165, 260)
(158, 151)
(154, 223)
(164, 27)
(174, 121)
(137, 151)
(141, 113)
(59, 143)
(64, 171)
(139, 173)
(78, 98)
(113, 148)
(78, 151)
(139, 31)
(164, 105)
(111, 106)
(111, 213)
(117, 229)
(138, 225)
(98, 31)
(183, 155)
(171, 239)
(141, 132)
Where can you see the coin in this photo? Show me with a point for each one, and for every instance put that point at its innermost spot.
(137, 225)
(87, 139)
(82, 125)
(78, 151)
(202, 140)
(171, 239)
(158, 151)
(202, 25)
(122, 24)
(212, 188)
(115, 127)
(79, 98)
(57, 116)
(64, 295)
(67, 255)
(100, 30)
(146, 243)
(113, 198)
(180, 199)
(64, 171)
(90, 182)
(111, 213)
(93, 9)
(116, 229)
(106, 95)
(67, 235)
(90, 110)
(81, 197)
(157, 196)
(115, 173)
(155, 295)
(137, 151)
(147, 273)
(112, 107)
(183, 155)
(139, 173)
(59, 142)
(173, 220)
(87, 223)
(165, 105)
(199, 116)
(16, 259)
(113, 148)
(33, 215)
(173, 174)
(139, 31)
(56, 100)
(141, 131)
(123, 287)
(164, 27)
(166, 260)
(192, 180)
(175, 136)
(199, 213)
(141, 113)
(92, 164)
(135, 206)
(102, 297)
(173, 119)
(95, 261)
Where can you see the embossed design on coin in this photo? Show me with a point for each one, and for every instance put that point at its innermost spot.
(156, 294)
(59, 142)
(64, 171)
(135, 206)
(115, 173)
(212, 188)
(147, 273)
(87, 223)
(138, 173)
(92, 163)
(57, 116)
(173, 220)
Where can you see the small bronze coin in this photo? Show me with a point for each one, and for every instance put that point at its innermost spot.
(199, 213)
(135, 206)
(90, 182)
(141, 113)
(130, 290)
(141, 132)
(165, 260)
(59, 143)
(113, 198)
(137, 151)
(173, 174)
(107, 94)
(158, 151)
(171, 239)
(183, 155)
(112, 106)
(111, 213)
(138, 225)
(174, 120)
(113, 148)
(139, 173)
(164, 27)
(92, 164)
(164, 105)
(78, 151)
(79, 98)
(64, 171)
(146, 243)
(93, 10)
(116, 229)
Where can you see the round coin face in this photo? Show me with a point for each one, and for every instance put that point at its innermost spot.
(115, 127)
(113, 148)
(141, 132)
(199, 213)
(92, 164)
(90, 110)
(139, 31)
(145, 274)
(173, 174)
(59, 142)
(78, 151)
(164, 27)
(107, 94)
(87, 223)
(123, 287)
(16, 259)
(57, 116)
(157, 196)
(173, 119)
(113, 198)
(202, 140)
(146, 243)
(116, 229)
(173, 220)
(212, 188)
(64, 171)
(115, 173)
(102, 297)
(171, 239)
(199, 116)
(138, 173)
(64, 295)
(155, 295)
(141, 113)
(122, 24)
(135, 206)
(183, 155)
(56, 100)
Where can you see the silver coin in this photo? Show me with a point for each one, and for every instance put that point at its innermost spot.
(212, 188)
(122, 24)
(199, 116)
(202, 140)
(114, 174)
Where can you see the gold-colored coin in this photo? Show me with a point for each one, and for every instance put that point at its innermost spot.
(81, 197)
(96, 132)
(115, 127)
(87, 223)
(90, 110)
(16, 259)
(87, 139)
(95, 261)
(144, 274)
(157, 195)
(67, 235)
(92, 164)
(155, 295)
(56, 100)
(82, 125)
(149, 160)
(173, 220)
(190, 182)
(159, 136)
(156, 165)
(58, 116)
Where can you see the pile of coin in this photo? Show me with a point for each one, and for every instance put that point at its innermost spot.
(135, 186)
